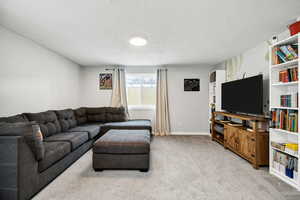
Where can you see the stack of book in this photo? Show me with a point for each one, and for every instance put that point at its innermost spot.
(285, 120)
(290, 148)
(288, 75)
(285, 164)
(290, 100)
(285, 53)
(280, 146)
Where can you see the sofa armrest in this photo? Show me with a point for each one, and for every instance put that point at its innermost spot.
(18, 168)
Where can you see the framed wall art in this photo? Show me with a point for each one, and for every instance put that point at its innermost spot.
(192, 84)
(105, 81)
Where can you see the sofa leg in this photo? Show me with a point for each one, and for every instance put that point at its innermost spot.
(144, 170)
(98, 170)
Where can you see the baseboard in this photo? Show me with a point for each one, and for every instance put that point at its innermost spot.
(190, 133)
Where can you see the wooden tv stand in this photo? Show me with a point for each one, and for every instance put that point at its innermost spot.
(252, 145)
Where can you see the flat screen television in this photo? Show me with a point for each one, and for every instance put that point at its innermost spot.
(243, 96)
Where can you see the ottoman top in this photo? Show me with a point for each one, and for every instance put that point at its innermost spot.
(123, 142)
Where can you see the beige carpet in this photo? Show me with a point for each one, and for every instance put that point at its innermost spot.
(182, 168)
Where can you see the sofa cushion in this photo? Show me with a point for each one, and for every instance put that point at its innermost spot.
(14, 119)
(31, 133)
(66, 119)
(106, 114)
(74, 138)
(115, 114)
(48, 122)
(123, 142)
(92, 130)
(131, 124)
(81, 116)
(54, 151)
(96, 114)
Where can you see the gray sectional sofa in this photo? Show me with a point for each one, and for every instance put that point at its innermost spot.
(67, 135)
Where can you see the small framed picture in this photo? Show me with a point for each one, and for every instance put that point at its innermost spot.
(105, 81)
(192, 84)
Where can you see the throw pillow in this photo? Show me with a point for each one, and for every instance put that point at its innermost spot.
(35, 140)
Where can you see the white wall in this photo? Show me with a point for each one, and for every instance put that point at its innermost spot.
(34, 79)
(90, 94)
(188, 110)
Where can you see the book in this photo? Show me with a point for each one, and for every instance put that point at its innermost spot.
(281, 56)
(290, 100)
(285, 119)
(293, 52)
(295, 47)
(288, 75)
(287, 53)
(285, 164)
(280, 146)
(275, 58)
(284, 53)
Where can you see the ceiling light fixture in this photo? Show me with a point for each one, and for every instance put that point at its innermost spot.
(138, 41)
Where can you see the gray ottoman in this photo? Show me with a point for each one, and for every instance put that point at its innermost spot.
(122, 149)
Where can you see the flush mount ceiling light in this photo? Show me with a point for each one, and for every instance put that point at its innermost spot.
(138, 41)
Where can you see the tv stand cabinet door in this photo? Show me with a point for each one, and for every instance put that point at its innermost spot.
(247, 145)
(231, 137)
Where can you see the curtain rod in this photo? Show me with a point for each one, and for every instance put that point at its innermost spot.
(115, 68)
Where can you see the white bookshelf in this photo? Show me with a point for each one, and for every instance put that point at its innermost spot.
(215, 90)
(276, 89)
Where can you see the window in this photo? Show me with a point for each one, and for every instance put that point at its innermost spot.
(141, 89)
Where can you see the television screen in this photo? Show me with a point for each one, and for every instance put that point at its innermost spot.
(244, 96)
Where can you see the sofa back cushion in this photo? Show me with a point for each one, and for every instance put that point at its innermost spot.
(48, 122)
(80, 115)
(96, 114)
(106, 114)
(14, 119)
(31, 133)
(66, 119)
(116, 114)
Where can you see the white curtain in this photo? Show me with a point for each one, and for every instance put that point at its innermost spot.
(119, 96)
(162, 121)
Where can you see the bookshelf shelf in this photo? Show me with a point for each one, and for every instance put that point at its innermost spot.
(283, 131)
(289, 40)
(285, 84)
(284, 108)
(284, 116)
(286, 64)
(285, 152)
(284, 178)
